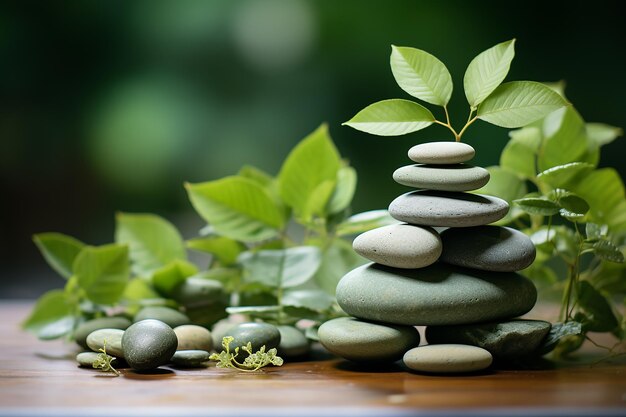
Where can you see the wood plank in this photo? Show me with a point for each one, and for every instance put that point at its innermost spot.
(41, 378)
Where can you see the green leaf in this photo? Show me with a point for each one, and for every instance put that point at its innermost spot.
(560, 176)
(256, 310)
(167, 278)
(519, 103)
(595, 231)
(52, 317)
(421, 75)
(487, 71)
(223, 248)
(611, 278)
(344, 190)
(392, 117)
(237, 208)
(257, 175)
(608, 251)
(602, 134)
(598, 308)
(538, 206)
(229, 277)
(59, 251)
(558, 331)
(565, 139)
(316, 300)
(519, 154)
(102, 272)
(314, 161)
(283, 268)
(152, 241)
(365, 221)
(139, 289)
(337, 260)
(572, 206)
(317, 201)
(507, 186)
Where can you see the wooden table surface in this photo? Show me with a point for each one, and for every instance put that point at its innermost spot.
(41, 379)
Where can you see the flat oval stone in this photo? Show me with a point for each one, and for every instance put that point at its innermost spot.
(447, 359)
(362, 341)
(192, 337)
(86, 359)
(441, 153)
(439, 294)
(510, 339)
(457, 177)
(399, 245)
(169, 316)
(191, 358)
(293, 343)
(446, 208)
(83, 330)
(258, 334)
(205, 300)
(490, 248)
(149, 344)
(113, 338)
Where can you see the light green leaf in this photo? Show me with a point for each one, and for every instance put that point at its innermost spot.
(507, 186)
(365, 221)
(52, 317)
(421, 75)
(611, 278)
(518, 103)
(257, 175)
(313, 161)
(237, 208)
(152, 241)
(565, 139)
(337, 260)
(102, 272)
(253, 310)
(223, 248)
(602, 134)
(392, 117)
(317, 201)
(538, 206)
(344, 190)
(487, 71)
(608, 251)
(139, 289)
(316, 300)
(59, 251)
(560, 176)
(520, 153)
(598, 308)
(168, 277)
(282, 268)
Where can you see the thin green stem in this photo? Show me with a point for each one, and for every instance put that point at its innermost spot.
(445, 109)
(468, 124)
(449, 126)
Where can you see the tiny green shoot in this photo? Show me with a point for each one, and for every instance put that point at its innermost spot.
(252, 363)
(104, 361)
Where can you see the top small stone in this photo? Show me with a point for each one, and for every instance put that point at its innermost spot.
(441, 153)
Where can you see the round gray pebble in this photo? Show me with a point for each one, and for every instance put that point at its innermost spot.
(149, 344)
(444, 359)
(441, 153)
(293, 343)
(458, 177)
(191, 358)
(258, 334)
(86, 359)
(192, 337)
(83, 330)
(169, 316)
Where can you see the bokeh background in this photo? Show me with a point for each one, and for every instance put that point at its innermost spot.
(111, 105)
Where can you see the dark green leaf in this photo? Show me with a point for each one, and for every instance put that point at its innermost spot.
(152, 241)
(316, 300)
(59, 250)
(595, 231)
(608, 251)
(537, 206)
(344, 190)
(560, 176)
(102, 272)
(520, 153)
(365, 221)
(507, 186)
(167, 278)
(611, 278)
(52, 317)
(223, 248)
(599, 313)
(573, 207)
(392, 117)
(559, 330)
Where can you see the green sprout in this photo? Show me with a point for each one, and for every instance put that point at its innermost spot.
(103, 361)
(254, 361)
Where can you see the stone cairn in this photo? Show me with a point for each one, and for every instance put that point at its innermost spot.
(459, 280)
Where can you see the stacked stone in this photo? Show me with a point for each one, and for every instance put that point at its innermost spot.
(459, 280)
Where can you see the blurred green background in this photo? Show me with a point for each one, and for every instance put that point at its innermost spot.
(111, 105)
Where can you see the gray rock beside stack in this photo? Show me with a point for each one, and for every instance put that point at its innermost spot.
(453, 282)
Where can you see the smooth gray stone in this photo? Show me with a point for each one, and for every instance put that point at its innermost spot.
(490, 248)
(399, 245)
(258, 334)
(149, 344)
(439, 294)
(450, 358)
(447, 208)
(191, 358)
(456, 177)
(192, 337)
(113, 338)
(363, 341)
(441, 153)
(205, 300)
(293, 343)
(83, 330)
(169, 316)
(86, 359)
(510, 339)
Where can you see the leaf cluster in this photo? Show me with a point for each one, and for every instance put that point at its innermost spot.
(253, 361)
